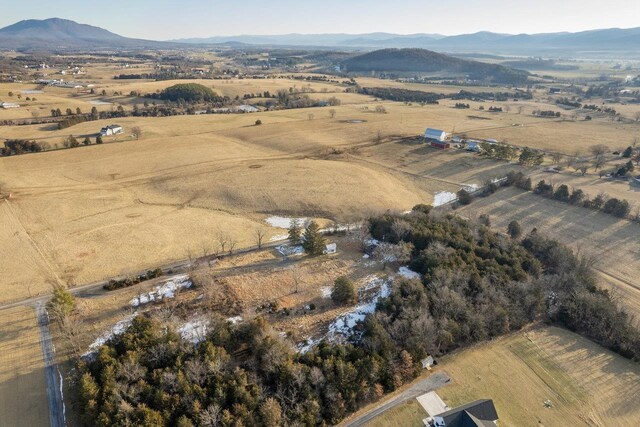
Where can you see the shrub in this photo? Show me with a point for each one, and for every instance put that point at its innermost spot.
(514, 229)
(464, 197)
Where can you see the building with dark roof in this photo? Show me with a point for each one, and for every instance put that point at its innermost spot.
(481, 413)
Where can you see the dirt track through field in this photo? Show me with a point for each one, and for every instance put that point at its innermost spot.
(51, 372)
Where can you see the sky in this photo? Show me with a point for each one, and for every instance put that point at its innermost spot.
(165, 19)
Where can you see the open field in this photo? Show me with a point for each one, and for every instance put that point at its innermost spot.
(409, 414)
(586, 384)
(23, 396)
(612, 241)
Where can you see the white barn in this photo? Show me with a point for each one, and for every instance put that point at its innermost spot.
(435, 135)
(111, 130)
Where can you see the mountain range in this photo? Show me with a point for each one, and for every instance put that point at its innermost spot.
(607, 40)
(56, 33)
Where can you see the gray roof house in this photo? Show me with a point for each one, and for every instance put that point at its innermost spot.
(481, 413)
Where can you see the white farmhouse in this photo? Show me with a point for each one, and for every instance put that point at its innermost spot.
(111, 130)
(435, 135)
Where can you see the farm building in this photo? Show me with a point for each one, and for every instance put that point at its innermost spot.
(472, 146)
(443, 145)
(456, 140)
(246, 109)
(331, 248)
(435, 135)
(9, 105)
(479, 413)
(111, 130)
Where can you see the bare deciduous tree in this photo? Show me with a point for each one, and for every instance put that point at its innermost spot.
(259, 235)
(332, 113)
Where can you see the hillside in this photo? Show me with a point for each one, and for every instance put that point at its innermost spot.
(63, 33)
(426, 61)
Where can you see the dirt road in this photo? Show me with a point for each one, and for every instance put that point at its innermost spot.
(52, 375)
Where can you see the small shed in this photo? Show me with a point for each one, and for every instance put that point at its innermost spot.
(8, 105)
(331, 248)
(427, 362)
(443, 145)
(435, 135)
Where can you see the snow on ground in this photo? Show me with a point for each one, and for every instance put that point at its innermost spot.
(287, 250)
(342, 327)
(117, 329)
(32, 91)
(166, 290)
(326, 291)
(443, 197)
(407, 273)
(235, 319)
(279, 237)
(100, 103)
(471, 188)
(283, 222)
(194, 331)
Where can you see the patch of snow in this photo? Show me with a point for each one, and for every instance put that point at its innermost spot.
(194, 331)
(234, 320)
(443, 197)
(283, 222)
(100, 103)
(167, 289)
(32, 91)
(372, 242)
(471, 188)
(342, 327)
(365, 256)
(117, 329)
(279, 237)
(64, 408)
(407, 273)
(326, 291)
(287, 250)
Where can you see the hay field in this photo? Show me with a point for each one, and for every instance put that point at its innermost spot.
(612, 241)
(104, 210)
(23, 397)
(586, 384)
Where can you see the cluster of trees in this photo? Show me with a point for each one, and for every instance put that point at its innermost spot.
(575, 196)
(187, 92)
(20, 146)
(462, 105)
(495, 109)
(401, 95)
(113, 284)
(476, 285)
(546, 113)
(491, 96)
(526, 156)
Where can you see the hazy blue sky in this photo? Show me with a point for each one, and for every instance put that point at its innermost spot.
(165, 19)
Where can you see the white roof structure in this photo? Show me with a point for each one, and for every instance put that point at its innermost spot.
(331, 248)
(435, 134)
(9, 105)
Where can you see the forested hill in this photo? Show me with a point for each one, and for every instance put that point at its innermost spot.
(427, 61)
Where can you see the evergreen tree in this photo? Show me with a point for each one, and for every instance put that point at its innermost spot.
(343, 291)
(99, 139)
(514, 229)
(295, 232)
(314, 243)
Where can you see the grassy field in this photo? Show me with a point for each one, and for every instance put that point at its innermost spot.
(586, 384)
(612, 241)
(409, 414)
(23, 398)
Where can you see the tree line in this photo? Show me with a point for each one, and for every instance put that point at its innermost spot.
(476, 284)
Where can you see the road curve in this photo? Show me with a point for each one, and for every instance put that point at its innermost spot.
(51, 373)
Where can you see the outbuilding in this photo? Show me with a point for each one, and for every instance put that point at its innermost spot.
(8, 105)
(443, 145)
(435, 135)
(111, 130)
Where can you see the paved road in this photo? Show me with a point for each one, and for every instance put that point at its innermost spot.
(431, 383)
(51, 373)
